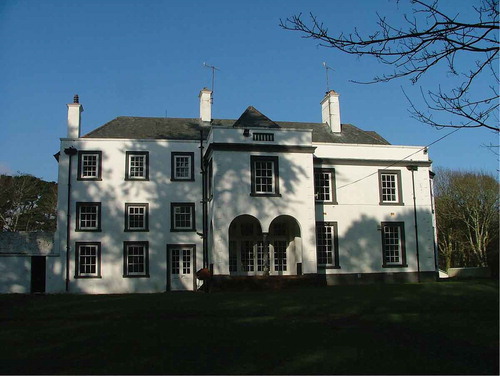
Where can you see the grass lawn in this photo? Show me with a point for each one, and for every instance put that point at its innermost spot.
(428, 328)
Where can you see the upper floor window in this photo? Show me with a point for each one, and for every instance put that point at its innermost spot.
(182, 217)
(136, 217)
(135, 259)
(182, 166)
(324, 185)
(89, 165)
(88, 260)
(137, 165)
(390, 187)
(327, 244)
(265, 176)
(393, 244)
(88, 216)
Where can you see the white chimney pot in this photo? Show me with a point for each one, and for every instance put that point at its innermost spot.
(330, 111)
(206, 105)
(75, 110)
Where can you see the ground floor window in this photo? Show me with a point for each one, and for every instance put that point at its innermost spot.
(135, 259)
(327, 245)
(279, 249)
(393, 244)
(88, 260)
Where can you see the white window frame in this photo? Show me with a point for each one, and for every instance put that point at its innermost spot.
(174, 209)
(324, 185)
(88, 260)
(393, 244)
(134, 166)
(327, 245)
(136, 259)
(190, 166)
(390, 187)
(83, 216)
(258, 178)
(131, 211)
(84, 165)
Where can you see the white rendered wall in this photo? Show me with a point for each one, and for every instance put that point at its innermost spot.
(15, 274)
(113, 191)
(232, 188)
(358, 211)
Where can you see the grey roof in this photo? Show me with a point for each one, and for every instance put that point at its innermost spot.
(254, 118)
(130, 127)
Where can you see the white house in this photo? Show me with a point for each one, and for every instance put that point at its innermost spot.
(145, 203)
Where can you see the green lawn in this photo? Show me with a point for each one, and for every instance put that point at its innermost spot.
(428, 328)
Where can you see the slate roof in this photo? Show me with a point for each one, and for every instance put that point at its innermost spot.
(130, 127)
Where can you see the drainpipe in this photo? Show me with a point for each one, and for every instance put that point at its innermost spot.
(413, 169)
(69, 152)
(204, 202)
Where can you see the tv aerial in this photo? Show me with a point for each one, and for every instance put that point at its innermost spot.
(327, 68)
(213, 74)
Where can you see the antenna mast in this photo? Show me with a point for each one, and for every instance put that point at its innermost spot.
(213, 75)
(326, 71)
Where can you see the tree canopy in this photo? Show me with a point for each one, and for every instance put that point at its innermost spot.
(467, 209)
(467, 44)
(27, 203)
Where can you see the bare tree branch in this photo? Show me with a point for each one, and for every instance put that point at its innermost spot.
(429, 39)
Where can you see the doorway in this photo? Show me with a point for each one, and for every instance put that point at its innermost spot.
(181, 267)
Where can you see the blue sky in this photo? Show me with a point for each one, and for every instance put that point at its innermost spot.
(145, 58)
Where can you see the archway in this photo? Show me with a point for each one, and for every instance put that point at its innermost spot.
(285, 246)
(246, 246)
(252, 252)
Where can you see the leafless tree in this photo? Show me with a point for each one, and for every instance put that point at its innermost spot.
(467, 209)
(430, 38)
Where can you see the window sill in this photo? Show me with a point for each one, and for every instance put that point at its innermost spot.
(181, 180)
(136, 276)
(265, 195)
(391, 203)
(326, 203)
(133, 230)
(182, 230)
(79, 178)
(87, 276)
(324, 267)
(395, 266)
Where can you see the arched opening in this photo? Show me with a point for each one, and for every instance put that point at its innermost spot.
(246, 246)
(285, 245)
(252, 252)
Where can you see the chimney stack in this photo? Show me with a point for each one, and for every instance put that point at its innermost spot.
(75, 110)
(205, 104)
(330, 111)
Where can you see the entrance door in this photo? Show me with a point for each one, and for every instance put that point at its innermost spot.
(37, 274)
(181, 267)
